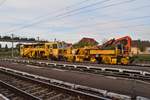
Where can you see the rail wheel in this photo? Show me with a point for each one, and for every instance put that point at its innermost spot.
(106, 59)
(124, 61)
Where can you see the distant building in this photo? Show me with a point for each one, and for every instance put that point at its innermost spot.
(140, 47)
(147, 50)
(88, 40)
(67, 44)
(135, 50)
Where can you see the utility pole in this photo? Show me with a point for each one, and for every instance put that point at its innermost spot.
(12, 47)
(38, 38)
(55, 40)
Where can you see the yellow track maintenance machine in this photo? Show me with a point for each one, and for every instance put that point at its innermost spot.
(112, 52)
(50, 50)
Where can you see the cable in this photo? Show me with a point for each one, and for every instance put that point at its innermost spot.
(59, 15)
(122, 27)
(115, 4)
(65, 8)
(128, 26)
(127, 19)
(99, 8)
(103, 23)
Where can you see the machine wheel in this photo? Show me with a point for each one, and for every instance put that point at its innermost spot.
(124, 61)
(106, 59)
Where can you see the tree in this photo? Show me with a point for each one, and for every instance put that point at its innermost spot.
(16, 38)
(0, 47)
(6, 47)
(85, 42)
(7, 37)
(24, 39)
(31, 39)
(140, 46)
(18, 47)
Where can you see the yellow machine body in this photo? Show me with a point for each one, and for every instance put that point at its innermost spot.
(48, 50)
(112, 52)
(76, 55)
(110, 56)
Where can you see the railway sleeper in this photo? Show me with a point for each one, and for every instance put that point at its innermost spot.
(34, 91)
(84, 67)
(18, 91)
(147, 74)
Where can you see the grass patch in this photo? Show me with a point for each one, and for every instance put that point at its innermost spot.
(143, 57)
(9, 53)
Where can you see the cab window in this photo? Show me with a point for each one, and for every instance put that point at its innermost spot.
(55, 46)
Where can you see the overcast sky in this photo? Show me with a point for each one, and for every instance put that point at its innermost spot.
(70, 20)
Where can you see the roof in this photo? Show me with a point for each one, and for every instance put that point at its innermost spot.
(88, 40)
(135, 43)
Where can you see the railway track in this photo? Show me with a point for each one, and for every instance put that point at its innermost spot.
(81, 92)
(9, 93)
(142, 67)
(109, 71)
(88, 63)
(25, 86)
(35, 91)
(84, 89)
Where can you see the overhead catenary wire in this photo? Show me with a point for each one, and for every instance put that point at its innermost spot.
(57, 11)
(129, 18)
(109, 31)
(97, 8)
(119, 28)
(115, 13)
(117, 18)
(60, 10)
(59, 15)
(75, 10)
(98, 24)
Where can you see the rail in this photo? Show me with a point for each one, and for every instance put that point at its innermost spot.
(36, 88)
(120, 72)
